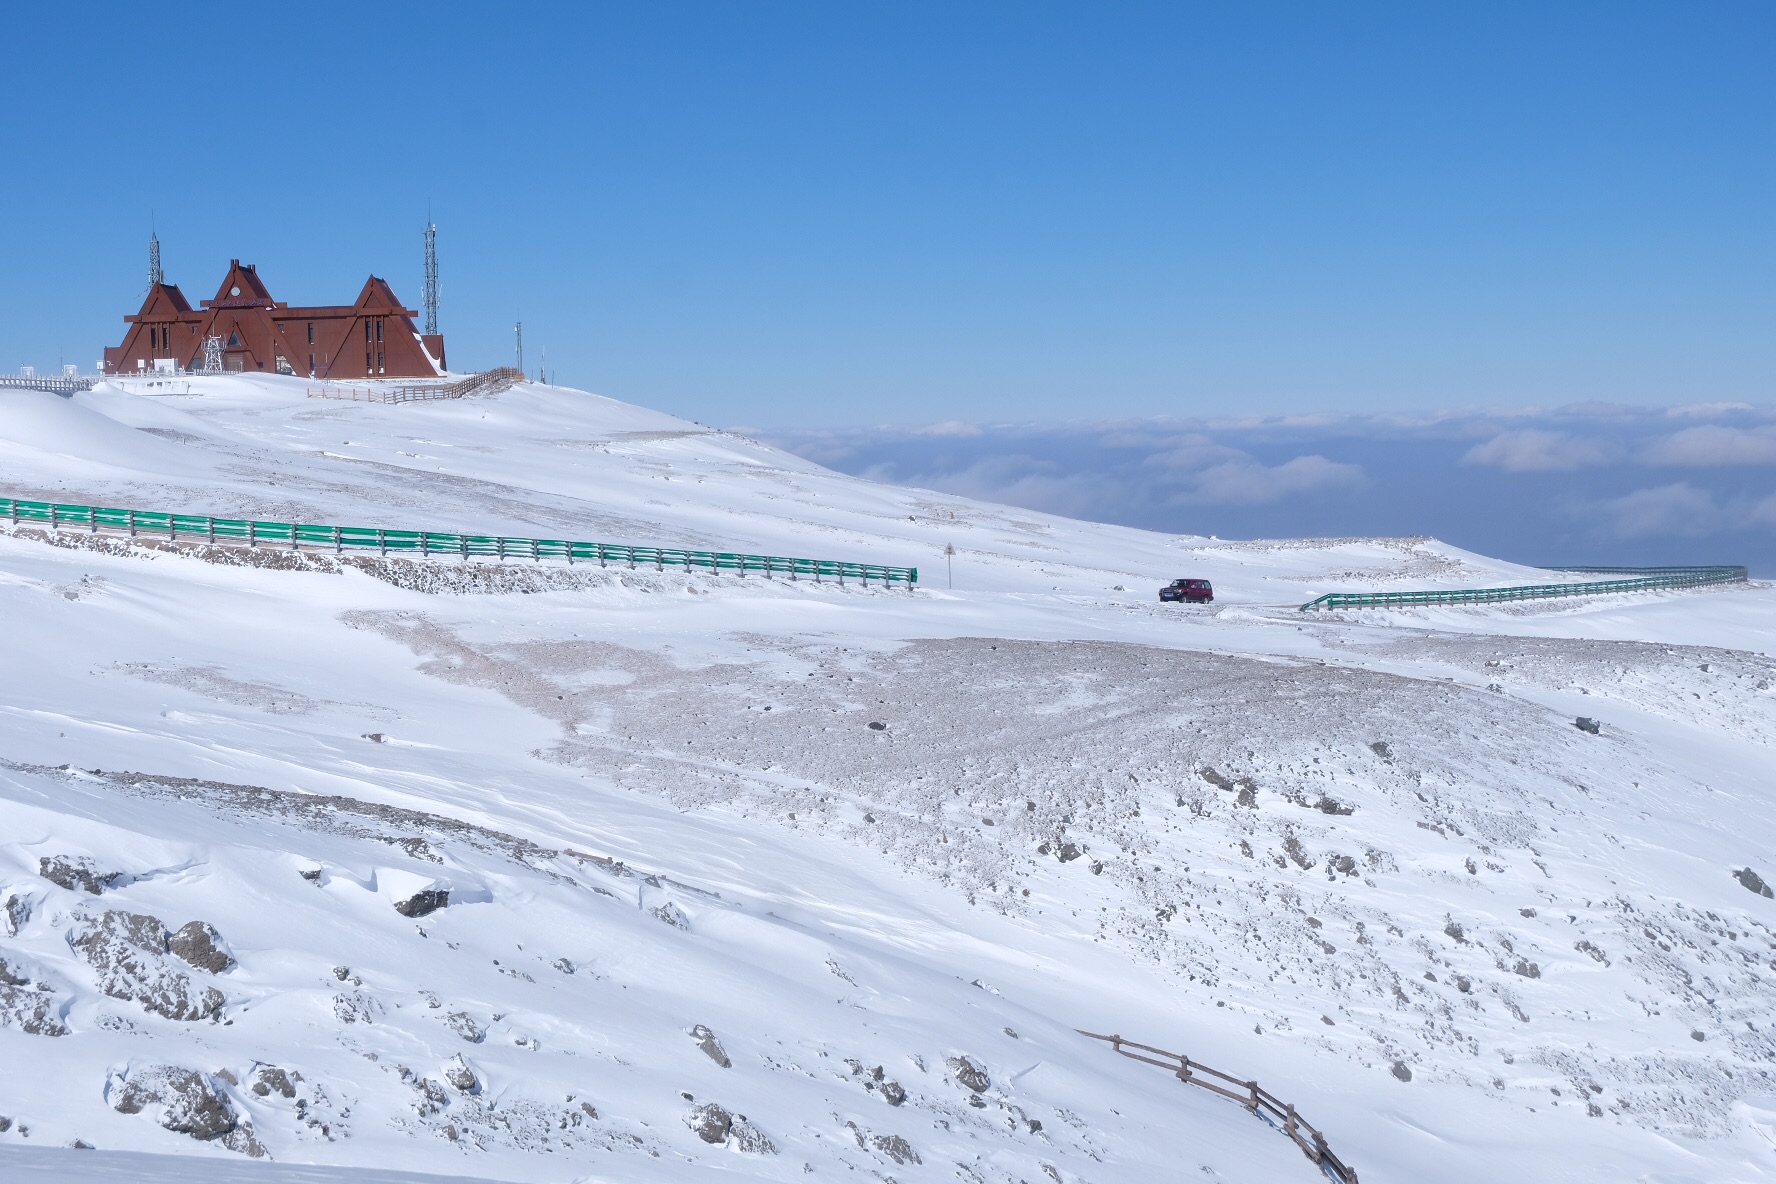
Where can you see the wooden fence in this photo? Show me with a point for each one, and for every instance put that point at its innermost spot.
(1260, 1102)
(487, 382)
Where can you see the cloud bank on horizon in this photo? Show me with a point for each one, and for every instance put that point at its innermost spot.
(1587, 483)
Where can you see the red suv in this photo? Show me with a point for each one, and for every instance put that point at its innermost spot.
(1187, 592)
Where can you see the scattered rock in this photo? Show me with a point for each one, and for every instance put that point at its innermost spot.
(1586, 724)
(1344, 864)
(464, 1025)
(895, 1148)
(711, 1046)
(1331, 805)
(1214, 778)
(711, 1122)
(424, 902)
(191, 1104)
(128, 950)
(1400, 1071)
(461, 1077)
(1067, 853)
(200, 945)
(271, 1079)
(1292, 846)
(563, 965)
(5, 1124)
(375, 737)
(1698, 1035)
(1527, 969)
(1750, 880)
(1587, 948)
(17, 914)
(893, 1093)
(30, 1007)
(969, 1075)
(672, 915)
(1380, 748)
(75, 873)
(878, 727)
(1456, 931)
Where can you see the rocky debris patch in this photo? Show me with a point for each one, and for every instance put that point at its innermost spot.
(711, 1046)
(16, 914)
(28, 1003)
(460, 1077)
(129, 953)
(717, 1125)
(76, 873)
(199, 944)
(464, 1025)
(1585, 723)
(893, 1146)
(189, 1103)
(969, 1074)
(424, 902)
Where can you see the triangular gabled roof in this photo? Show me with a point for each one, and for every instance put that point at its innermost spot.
(163, 300)
(241, 283)
(376, 293)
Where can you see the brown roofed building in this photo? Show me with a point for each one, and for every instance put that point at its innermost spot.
(372, 338)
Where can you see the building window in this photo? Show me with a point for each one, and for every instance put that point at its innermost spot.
(367, 367)
(379, 329)
(311, 332)
(366, 334)
(233, 338)
(379, 361)
(311, 365)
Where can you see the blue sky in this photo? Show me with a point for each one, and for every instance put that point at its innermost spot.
(1339, 246)
(827, 215)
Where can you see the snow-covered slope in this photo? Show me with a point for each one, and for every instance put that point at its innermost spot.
(869, 849)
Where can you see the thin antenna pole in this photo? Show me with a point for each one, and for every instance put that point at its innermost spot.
(518, 332)
(431, 275)
(155, 275)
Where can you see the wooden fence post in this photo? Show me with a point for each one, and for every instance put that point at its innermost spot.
(1252, 1100)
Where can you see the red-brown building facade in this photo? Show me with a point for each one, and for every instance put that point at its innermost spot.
(373, 338)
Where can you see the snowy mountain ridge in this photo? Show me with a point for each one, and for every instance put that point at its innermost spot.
(657, 873)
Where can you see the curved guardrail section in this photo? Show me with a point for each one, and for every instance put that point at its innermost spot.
(1643, 579)
(1259, 1102)
(428, 544)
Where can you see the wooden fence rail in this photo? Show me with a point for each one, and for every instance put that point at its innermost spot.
(487, 382)
(1256, 1100)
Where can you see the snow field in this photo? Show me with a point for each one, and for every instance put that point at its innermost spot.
(1234, 824)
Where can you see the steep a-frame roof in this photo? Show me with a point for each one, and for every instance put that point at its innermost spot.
(241, 284)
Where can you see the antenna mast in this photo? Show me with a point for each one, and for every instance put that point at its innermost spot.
(518, 331)
(431, 277)
(155, 275)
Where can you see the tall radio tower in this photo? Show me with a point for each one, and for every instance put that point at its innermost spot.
(155, 275)
(431, 277)
(518, 331)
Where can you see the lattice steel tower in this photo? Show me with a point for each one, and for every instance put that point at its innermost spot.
(155, 275)
(431, 277)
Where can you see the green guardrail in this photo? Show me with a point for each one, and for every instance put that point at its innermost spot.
(428, 544)
(1643, 579)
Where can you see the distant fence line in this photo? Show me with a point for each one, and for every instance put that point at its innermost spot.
(426, 544)
(487, 382)
(1642, 579)
(1257, 1101)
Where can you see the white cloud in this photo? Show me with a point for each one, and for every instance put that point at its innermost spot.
(1246, 482)
(1678, 509)
(1713, 445)
(949, 427)
(1533, 450)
